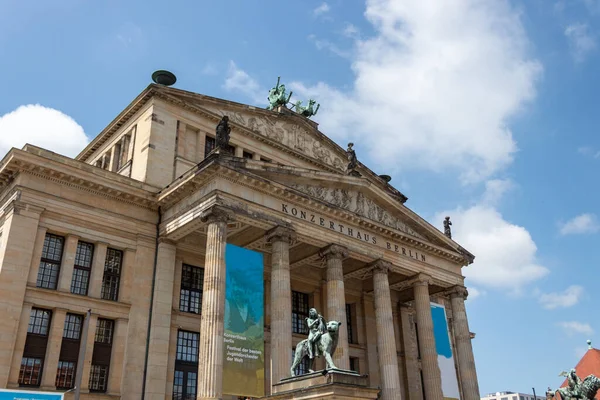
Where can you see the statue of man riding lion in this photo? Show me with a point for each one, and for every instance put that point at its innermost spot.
(577, 388)
(322, 340)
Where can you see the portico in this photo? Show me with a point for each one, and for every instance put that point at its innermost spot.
(304, 236)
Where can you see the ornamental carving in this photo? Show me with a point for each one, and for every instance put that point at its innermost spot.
(291, 135)
(358, 203)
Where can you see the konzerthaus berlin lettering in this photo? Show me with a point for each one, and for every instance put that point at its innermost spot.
(134, 229)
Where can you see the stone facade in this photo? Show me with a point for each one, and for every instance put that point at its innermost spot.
(134, 230)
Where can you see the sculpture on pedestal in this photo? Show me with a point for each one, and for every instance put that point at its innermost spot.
(447, 229)
(322, 340)
(577, 388)
(222, 133)
(309, 110)
(278, 96)
(352, 160)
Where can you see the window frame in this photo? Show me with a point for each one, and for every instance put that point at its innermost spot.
(65, 377)
(184, 366)
(299, 315)
(93, 373)
(187, 286)
(80, 267)
(46, 262)
(39, 371)
(105, 293)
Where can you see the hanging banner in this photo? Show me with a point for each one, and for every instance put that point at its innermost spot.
(444, 351)
(6, 394)
(244, 341)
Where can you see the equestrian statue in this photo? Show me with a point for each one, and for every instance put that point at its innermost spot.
(577, 388)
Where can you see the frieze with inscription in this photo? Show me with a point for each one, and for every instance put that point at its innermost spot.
(288, 134)
(356, 202)
(350, 231)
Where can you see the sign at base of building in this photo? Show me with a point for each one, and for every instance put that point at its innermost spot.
(244, 341)
(7, 394)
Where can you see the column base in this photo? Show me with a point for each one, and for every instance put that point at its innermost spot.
(325, 384)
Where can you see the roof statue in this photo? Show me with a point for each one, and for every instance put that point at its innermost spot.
(322, 340)
(307, 111)
(577, 388)
(447, 229)
(278, 96)
(222, 133)
(352, 160)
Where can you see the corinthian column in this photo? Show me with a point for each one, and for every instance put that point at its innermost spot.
(386, 341)
(210, 368)
(281, 303)
(464, 349)
(432, 379)
(336, 300)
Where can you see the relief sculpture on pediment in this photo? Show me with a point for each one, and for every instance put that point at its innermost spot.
(288, 134)
(355, 202)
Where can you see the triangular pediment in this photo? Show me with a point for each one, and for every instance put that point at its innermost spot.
(356, 195)
(283, 128)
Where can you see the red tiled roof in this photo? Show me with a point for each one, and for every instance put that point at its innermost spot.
(589, 364)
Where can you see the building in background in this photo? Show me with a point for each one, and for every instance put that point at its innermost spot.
(134, 228)
(512, 396)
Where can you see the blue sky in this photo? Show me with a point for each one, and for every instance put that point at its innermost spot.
(482, 110)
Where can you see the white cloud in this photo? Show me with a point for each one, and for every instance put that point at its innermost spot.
(322, 9)
(589, 151)
(495, 189)
(322, 44)
(239, 80)
(574, 327)
(580, 40)
(350, 31)
(41, 126)
(475, 293)
(437, 86)
(568, 298)
(505, 253)
(581, 224)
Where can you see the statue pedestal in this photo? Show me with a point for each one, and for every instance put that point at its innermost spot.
(330, 384)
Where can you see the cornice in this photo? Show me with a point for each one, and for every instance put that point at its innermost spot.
(24, 162)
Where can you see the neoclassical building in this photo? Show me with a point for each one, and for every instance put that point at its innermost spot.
(134, 229)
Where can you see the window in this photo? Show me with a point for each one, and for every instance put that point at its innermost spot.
(350, 324)
(521, 398)
(187, 346)
(30, 373)
(299, 312)
(112, 274)
(185, 382)
(65, 375)
(504, 398)
(192, 281)
(50, 263)
(82, 267)
(104, 331)
(304, 365)
(35, 347)
(101, 356)
(39, 322)
(354, 364)
(247, 155)
(209, 145)
(98, 378)
(72, 327)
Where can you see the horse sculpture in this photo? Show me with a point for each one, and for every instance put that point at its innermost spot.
(309, 110)
(587, 390)
(326, 345)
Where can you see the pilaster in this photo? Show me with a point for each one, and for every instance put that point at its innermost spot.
(67, 264)
(19, 344)
(55, 336)
(97, 272)
(89, 352)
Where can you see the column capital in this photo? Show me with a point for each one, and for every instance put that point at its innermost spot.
(216, 214)
(380, 266)
(422, 280)
(458, 291)
(333, 251)
(280, 233)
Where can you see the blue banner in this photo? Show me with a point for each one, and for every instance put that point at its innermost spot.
(244, 338)
(6, 394)
(444, 351)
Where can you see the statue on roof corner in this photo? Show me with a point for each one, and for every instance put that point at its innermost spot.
(352, 160)
(577, 388)
(307, 111)
(278, 96)
(222, 133)
(447, 229)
